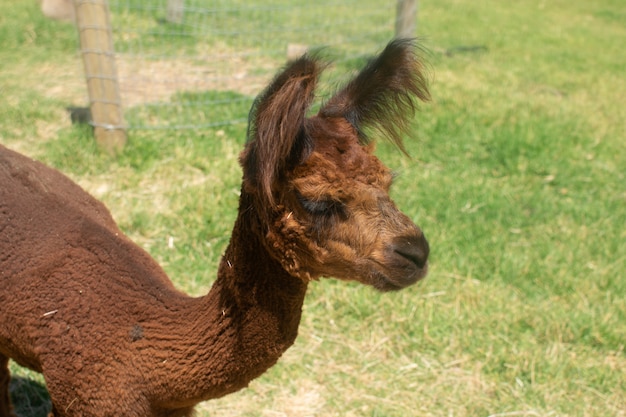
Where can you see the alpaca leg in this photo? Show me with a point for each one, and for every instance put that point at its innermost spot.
(5, 377)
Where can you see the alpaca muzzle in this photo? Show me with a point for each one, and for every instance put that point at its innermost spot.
(407, 261)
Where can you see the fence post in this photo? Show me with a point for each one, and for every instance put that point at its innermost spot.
(96, 44)
(406, 18)
(175, 11)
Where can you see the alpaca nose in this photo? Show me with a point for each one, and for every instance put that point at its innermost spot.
(413, 248)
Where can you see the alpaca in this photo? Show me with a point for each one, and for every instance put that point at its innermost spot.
(97, 316)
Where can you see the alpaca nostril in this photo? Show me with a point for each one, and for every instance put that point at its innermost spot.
(413, 248)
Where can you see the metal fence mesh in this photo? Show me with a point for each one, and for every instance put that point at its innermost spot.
(200, 63)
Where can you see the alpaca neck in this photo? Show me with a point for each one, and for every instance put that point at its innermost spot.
(246, 321)
(259, 297)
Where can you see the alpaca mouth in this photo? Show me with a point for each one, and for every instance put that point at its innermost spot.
(395, 281)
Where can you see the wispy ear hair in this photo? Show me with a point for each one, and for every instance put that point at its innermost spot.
(276, 121)
(383, 95)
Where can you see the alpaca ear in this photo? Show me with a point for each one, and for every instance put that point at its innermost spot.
(276, 124)
(383, 95)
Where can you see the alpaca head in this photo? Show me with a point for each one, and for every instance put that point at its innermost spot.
(321, 195)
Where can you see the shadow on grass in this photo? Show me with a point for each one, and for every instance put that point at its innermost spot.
(30, 398)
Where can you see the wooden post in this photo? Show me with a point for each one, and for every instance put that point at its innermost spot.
(96, 44)
(175, 11)
(406, 18)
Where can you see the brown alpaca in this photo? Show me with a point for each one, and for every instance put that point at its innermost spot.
(95, 314)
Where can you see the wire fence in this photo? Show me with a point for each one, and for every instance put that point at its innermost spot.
(200, 63)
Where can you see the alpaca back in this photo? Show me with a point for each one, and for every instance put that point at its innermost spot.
(40, 211)
(61, 251)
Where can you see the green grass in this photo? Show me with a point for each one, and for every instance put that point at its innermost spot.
(517, 178)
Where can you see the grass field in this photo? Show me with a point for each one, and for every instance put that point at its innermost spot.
(517, 176)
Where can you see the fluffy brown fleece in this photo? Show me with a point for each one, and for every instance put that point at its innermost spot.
(94, 313)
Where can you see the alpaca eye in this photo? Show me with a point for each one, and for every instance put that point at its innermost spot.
(321, 207)
(316, 207)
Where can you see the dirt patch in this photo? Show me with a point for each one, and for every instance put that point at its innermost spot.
(143, 80)
(149, 81)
